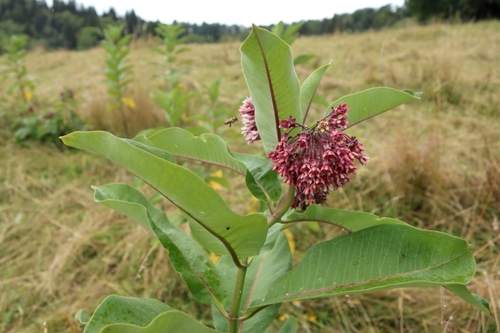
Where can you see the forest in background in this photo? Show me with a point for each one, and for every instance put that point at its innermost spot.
(69, 25)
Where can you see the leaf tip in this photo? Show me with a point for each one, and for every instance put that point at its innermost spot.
(415, 94)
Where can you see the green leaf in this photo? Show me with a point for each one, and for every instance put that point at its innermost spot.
(124, 40)
(278, 29)
(153, 150)
(267, 63)
(82, 317)
(113, 90)
(303, 58)
(206, 148)
(308, 90)
(292, 32)
(112, 76)
(261, 177)
(183, 188)
(127, 310)
(171, 321)
(368, 103)
(213, 90)
(185, 255)
(345, 219)
(272, 236)
(376, 258)
(112, 65)
(264, 270)
(473, 299)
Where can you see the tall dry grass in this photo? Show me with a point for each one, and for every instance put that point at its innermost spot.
(434, 163)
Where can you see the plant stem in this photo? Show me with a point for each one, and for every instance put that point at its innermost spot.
(282, 206)
(235, 306)
(124, 120)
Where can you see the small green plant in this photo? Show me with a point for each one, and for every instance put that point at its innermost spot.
(117, 70)
(306, 159)
(175, 102)
(24, 84)
(174, 99)
(170, 36)
(215, 113)
(48, 126)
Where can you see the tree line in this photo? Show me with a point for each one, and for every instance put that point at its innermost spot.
(69, 25)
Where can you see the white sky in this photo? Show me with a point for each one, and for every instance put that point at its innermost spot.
(260, 12)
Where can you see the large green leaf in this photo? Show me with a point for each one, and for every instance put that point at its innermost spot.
(206, 148)
(171, 321)
(349, 220)
(267, 64)
(186, 256)
(368, 103)
(260, 177)
(211, 149)
(308, 90)
(127, 310)
(376, 258)
(243, 236)
(264, 270)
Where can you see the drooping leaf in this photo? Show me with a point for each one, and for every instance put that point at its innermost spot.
(186, 256)
(368, 103)
(376, 258)
(263, 271)
(263, 177)
(473, 299)
(346, 219)
(308, 90)
(171, 321)
(272, 236)
(267, 64)
(126, 310)
(243, 236)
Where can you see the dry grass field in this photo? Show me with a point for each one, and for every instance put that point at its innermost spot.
(434, 163)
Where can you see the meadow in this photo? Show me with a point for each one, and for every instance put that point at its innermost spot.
(434, 163)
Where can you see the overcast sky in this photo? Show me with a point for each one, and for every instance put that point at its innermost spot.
(260, 12)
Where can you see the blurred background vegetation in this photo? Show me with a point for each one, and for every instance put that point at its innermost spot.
(66, 24)
(434, 163)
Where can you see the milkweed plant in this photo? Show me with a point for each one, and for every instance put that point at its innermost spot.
(304, 160)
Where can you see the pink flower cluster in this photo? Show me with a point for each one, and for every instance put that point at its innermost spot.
(249, 129)
(319, 159)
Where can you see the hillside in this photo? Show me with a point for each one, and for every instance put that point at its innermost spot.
(434, 163)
